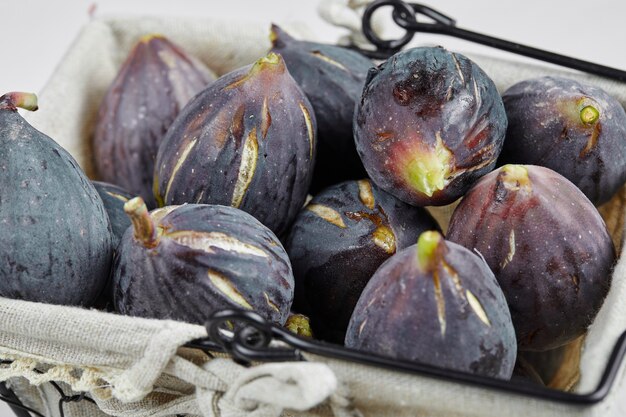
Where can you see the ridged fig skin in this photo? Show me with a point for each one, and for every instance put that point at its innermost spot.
(547, 246)
(247, 141)
(172, 280)
(429, 123)
(154, 83)
(546, 128)
(425, 315)
(337, 243)
(55, 239)
(332, 78)
(114, 198)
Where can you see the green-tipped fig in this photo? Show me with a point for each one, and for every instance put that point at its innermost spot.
(247, 141)
(157, 79)
(332, 78)
(573, 128)
(429, 123)
(436, 303)
(336, 244)
(547, 246)
(55, 238)
(186, 262)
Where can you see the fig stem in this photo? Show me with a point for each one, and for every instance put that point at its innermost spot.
(589, 115)
(515, 178)
(26, 101)
(427, 245)
(299, 324)
(143, 224)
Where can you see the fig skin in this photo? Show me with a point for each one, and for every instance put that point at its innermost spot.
(332, 78)
(547, 246)
(247, 141)
(154, 83)
(436, 303)
(337, 243)
(186, 262)
(429, 123)
(114, 198)
(55, 239)
(573, 128)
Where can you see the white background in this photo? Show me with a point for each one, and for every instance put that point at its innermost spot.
(36, 33)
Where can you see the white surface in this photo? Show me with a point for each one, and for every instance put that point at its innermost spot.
(36, 33)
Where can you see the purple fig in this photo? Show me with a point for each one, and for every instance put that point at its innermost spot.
(157, 79)
(247, 141)
(332, 78)
(114, 198)
(547, 246)
(436, 303)
(337, 243)
(186, 262)
(55, 236)
(573, 128)
(429, 123)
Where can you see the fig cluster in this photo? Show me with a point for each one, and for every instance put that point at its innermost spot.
(299, 187)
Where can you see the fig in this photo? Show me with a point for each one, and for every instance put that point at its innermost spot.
(547, 246)
(332, 78)
(336, 244)
(186, 262)
(157, 79)
(55, 239)
(573, 128)
(429, 123)
(114, 198)
(247, 141)
(558, 368)
(436, 303)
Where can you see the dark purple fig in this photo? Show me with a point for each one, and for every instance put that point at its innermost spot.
(558, 368)
(157, 79)
(436, 303)
(114, 198)
(55, 238)
(337, 243)
(247, 141)
(186, 262)
(429, 123)
(546, 244)
(525, 372)
(332, 78)
(573, 128)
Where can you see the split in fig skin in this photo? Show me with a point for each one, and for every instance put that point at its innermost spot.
(573, 128)
(154, 83)
(55, 239)
(186, 262)
(436, 303)
(332, 78)
(547, 246)
(336, 244)
(428, 125)
(247, 141)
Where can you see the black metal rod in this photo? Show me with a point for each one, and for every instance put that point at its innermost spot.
(238, 347)
(524, 50)
(404, 14)
(19, 409)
